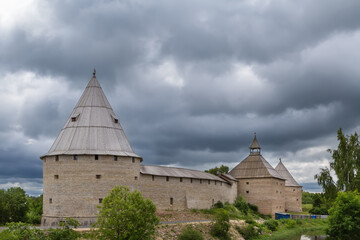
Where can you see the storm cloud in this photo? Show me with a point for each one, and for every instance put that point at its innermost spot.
(190, 81)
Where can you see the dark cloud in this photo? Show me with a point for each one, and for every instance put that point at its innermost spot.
(190, 81)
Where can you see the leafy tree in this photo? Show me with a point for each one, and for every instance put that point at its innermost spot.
(35, 204)
(344, 218)
(346, 162)
(13, 205)
(307, 198)
(126, 215)
(218, 170)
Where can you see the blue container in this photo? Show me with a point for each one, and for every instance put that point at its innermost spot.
(282, 216)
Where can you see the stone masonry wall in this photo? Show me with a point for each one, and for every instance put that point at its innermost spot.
(267, 193)
(73, 189)
(293, 199)
(185, 192)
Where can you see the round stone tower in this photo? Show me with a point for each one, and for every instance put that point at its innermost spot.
(88, 158)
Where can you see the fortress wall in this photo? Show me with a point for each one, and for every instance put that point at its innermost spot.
(185, 194)
(293, 199)
(76, 191)
(267, 193)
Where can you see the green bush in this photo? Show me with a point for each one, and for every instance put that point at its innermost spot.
(271, 224)
(22, 231)
(344, 218)
(250, 220)
(253, 207)
(321, 210)
(221, 226)
(219, 204)
(290, 223)
(189, 233)
(241, 205)
(248, 232)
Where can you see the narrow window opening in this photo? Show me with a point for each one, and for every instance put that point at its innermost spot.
(75, 157)
(277, 191)
(115, 158)
(73, 119)
(220, 183)
(294, 189)
(56, 176)
(116, 120)
(56, 158)
(247, 183)
(96, 157)
(133, 160)
(153, 177)
(100, 200)
(215, 182)
(180, 179)
(171, 201)
(190, 180)
(297, 199)
(247, 191)
(50, 200)
(135, 177)
(200, 181)
(98, 176)
(167, 179)
(208, 181)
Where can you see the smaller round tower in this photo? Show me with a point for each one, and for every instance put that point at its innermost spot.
(259, 183)
(88, 158)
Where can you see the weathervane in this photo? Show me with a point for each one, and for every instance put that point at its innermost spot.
(94, 73)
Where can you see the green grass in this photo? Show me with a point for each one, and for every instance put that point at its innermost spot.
(305, 207)
(291, 228)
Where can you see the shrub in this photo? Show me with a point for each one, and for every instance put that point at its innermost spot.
(344, 218)
(290, 223)
(271, 224)
(249, 220)
(253, 207)
(222, 225)
(22, 231)
(321, 209)
(65, 232)
(241, 204)
(219, 204)
(248, 232)
(189, 233)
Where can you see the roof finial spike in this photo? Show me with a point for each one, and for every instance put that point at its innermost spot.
(94, 73)
(280, 159)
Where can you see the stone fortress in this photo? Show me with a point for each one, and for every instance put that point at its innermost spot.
(91, 155)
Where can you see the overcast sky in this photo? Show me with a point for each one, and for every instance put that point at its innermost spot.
(191, 81)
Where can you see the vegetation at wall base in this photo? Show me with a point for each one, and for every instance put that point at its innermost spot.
(126, 215)
(190, 233)
(221, 226)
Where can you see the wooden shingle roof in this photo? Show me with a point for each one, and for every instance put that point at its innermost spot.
(289, 180)
(254, 166)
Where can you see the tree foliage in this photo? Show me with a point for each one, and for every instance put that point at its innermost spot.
(218, 170)
(13, 205)
(189, 233)
(126, 215)
(345, 164)
(35, 209)
(344, 219)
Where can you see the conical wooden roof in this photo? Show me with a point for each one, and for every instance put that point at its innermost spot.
(255, 144)
(289, 180)
(254, 166)
(92, 128)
